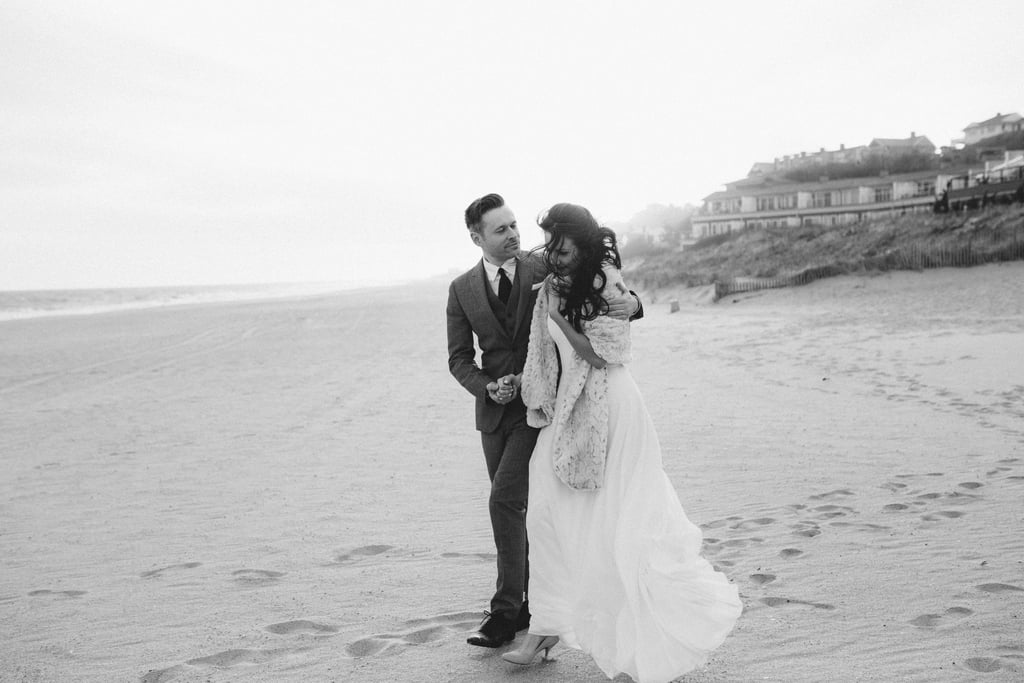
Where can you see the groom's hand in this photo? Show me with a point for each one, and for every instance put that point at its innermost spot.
(624, 304)
(502, 391)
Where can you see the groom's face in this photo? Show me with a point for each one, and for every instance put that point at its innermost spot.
(498, 236)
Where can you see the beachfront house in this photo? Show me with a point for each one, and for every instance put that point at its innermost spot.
(888, 176)
(766, 202)
(997, 125)
(893, 147)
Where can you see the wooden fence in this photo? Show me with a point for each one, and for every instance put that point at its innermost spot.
(909, 258)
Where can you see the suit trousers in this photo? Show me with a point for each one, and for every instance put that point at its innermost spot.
(507, 451)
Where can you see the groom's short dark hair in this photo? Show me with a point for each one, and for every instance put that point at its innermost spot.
(476, 210)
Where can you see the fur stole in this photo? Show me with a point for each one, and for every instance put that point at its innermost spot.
(579, 417)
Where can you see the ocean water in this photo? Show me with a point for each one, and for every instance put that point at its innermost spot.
(17, 305)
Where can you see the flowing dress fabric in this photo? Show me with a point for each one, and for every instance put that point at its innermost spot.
(617, 571)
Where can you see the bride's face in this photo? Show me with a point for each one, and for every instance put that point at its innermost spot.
(564, 253)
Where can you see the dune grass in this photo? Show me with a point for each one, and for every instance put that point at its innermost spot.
(908, 242)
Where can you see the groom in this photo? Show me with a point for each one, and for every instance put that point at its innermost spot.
(494, 301)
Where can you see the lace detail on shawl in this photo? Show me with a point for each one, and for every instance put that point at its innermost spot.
(581, 430)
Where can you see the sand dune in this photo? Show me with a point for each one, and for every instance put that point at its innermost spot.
(292, 490)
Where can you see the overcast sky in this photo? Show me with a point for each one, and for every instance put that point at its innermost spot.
(216, 141)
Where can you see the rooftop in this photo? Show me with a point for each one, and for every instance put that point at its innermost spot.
(912, 141)
(746, 188)
(998, 118)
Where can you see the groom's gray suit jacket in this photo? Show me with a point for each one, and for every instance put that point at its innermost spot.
(503, 341)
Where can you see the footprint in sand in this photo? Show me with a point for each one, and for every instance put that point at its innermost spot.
(221, 660)
(359, 553)
(806, 529)
(983, 665)
(829, 495)
(256, 577)
(717, 523)
(230, 658)
(790, 602)
(741, 542)
(895, 507)
(59, 594)
(162, 675)
(830, 511)
(762, 579)
(788, 553)
(970, 485)
(942, 514)
(747, 524)
(861, 526)
(998, 588)
(947, 618)
(914, 476)
(808, 533)
(489, 557)
(956, 497)
(894, 486)
(301, 626)
(419, 631)
(170, 568)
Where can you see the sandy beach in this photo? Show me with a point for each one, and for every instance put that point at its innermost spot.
(292, 490)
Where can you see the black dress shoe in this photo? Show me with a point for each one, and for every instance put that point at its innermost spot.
(495, 630)
(523, 620)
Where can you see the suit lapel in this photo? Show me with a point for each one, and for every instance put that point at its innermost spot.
(524, 311)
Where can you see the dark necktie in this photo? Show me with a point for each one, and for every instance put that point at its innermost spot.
(504, 286)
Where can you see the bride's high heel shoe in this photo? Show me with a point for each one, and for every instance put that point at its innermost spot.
(526, 653)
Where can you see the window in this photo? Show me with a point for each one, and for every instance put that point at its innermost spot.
(883, 194)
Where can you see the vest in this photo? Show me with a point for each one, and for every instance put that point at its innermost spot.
(506, 313)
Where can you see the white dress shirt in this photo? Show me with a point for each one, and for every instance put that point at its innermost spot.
(492, 272)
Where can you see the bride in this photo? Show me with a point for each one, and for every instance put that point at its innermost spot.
(615, 565)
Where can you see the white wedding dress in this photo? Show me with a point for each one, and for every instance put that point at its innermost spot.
(617, 571)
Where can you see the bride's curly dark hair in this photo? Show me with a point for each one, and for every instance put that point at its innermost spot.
(581, 289)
